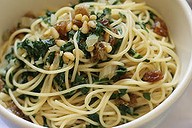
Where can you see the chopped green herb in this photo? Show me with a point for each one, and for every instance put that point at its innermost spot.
(10, 56)
(80, 79)
(94, 126)
(84, 90)
(143, 26)
(147, 96)
(106, 11)
(126, 110)
(68, 47)
(94, 117)
(104, 81)
(116, 46)
(60, 79)
(118, 94)
(152, 15)
(136, 55)
(50, 57)
(122, 15)
(37, 49)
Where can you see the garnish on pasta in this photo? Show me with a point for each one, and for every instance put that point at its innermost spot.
(95, 64)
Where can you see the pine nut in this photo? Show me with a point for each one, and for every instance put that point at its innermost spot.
(75, 27)
(92, 24)
(85, 18)
(93, 17)
(54, 33)
(78, 17)
(84, 28)
(69, 27)
(69, 56)
(90, 49)
(60, 42)
(108, 48)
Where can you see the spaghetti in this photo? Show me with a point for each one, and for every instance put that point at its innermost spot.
(93, 65)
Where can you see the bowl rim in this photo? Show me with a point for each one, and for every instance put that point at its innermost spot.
(5, 113)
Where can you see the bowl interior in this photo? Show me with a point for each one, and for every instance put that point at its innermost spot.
(177, 16)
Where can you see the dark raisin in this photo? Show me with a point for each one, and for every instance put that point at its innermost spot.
(153, 76)
(160, 27)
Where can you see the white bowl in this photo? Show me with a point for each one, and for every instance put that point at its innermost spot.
(177, 15)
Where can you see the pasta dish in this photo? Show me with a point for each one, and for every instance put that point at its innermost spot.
(90, 65)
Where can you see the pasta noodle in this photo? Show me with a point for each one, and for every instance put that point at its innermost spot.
(97, 64)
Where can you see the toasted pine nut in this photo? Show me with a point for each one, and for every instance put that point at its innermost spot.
(90, 49)
(85, 18)
(85, 28)
(69, 56)
(92, 24)
(75, 27)
(69, 26)
(93, 17)
(108, 48)
(78, 17)
(65, 59)
(54, 33)
(60, 42)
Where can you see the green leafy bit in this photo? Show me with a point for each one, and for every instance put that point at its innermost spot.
(84, 90)
(120, 93)
(69, 94)
(68, 47)
(50, 57)
(106, 11)
(94, 126)
(47, 17)
(122, 15)
(116, 46)
(60, 79)
(104, 81)
(147, 96)
(37, 49)
(121, 70)
(94, 117)
(81, 79)
(10, 56)
(152, 15)
(142, 25)
(126, 110)
(136, 55)
(99, 28)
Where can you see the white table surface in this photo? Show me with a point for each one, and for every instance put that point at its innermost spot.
(183, 108)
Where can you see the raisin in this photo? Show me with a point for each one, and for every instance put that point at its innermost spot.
(99, 53)
(61, 29)
(153, 76)
(78, 23)
(160, 27)
(104, 21)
